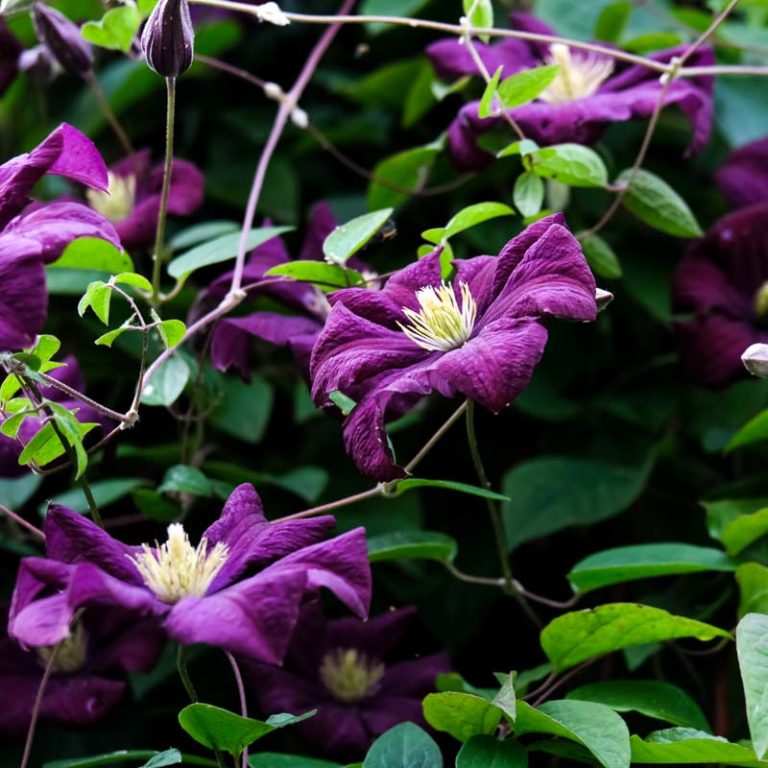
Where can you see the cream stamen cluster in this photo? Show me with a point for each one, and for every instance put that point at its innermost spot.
(176, 569)
(579, 76)
(441, 324)
(349, 675)
(70, 652)
(117, 203)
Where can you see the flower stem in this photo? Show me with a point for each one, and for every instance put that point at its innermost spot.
(430, 444)
(19, 520)
(37, 706)
(498, 525)
(243, 700)
(186, 680)
(157, 255)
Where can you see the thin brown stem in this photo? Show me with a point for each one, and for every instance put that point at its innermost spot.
(243, 701)
(430, 444)
(107, 111)
(38, 705)
(19, 520)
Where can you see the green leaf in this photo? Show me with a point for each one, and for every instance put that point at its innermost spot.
(71, 282)
(553, 493)
(652, 698)
(687, 746)
(412, 545)
(97, 297)
(724, 511)
(528, 194)
(754, 431)
(17, 492)
(346, 240)
(644, 561)
(342, 402)
(171, 332)
(450, 485)
(488, 752)
(594, 726)
(131, 278)
(612, 21)
(116, 30)
(222, 248)
(473, 215)
(72, 431)
(245, 409)
(487, 107)
(402, 174)
(527, 85)
(279, 760)
(752, 579)
(462, 715)
(481, 16)
(752, 650)
(327, 277)
(185, 479)
(168, 757)
(127, 756)
(742, 531)
(505, 699)
(404, 746)
(200, 233)
(155, 506)
(601, 258)
(570, 164)
(217, 728)
(167, 384)
(580, 635)
(108, 339)
(46, 446)
(94, 253)
(654, 202)
(523, 147)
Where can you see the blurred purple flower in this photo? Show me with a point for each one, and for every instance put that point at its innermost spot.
(722, 284)
(10, 50)
(132, 200)
(69, 373)
(480, 337)
(86, 681)
(743, 178)
(232, 336)
(63, 39)
(29, 239)
(346, 669)
(199, 594)
(590, 92)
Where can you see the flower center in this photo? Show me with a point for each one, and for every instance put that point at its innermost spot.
(349, 675)
(441, 324)
(177, 569)
(71, 652)
(761, 300)
(579, 76)
(117, 202)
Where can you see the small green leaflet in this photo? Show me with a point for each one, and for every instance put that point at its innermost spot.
(601, 258)
(117, 28)
(185, 479)
(754, 431)
(654, 202)
(98, 298)
(465, 219)
(525, 86)
(327, 277)
(94, 253)
(347, 239)
(404, 746)
(481, 14)
(752, 649)
(570, 164)
(528, 194)
(412, 545)
(460, 714)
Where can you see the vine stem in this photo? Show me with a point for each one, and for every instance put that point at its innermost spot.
(38, 705)
(493, 510)
(157, 255)
(19, 520)
(286, 110)
(243, 700)
(108, 112)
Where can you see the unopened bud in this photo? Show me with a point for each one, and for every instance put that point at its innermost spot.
(168, 38)
(63, 40)
(602, 298)
(38, 63)
(755, 359)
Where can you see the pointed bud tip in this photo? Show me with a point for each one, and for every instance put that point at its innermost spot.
(755, 359)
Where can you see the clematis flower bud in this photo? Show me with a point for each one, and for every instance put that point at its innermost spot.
(63, 40)
(168, 38)
(755, 359)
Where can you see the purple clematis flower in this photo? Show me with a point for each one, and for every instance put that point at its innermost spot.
(132, 200)
(480, 337)
(240, 589)
(29, 239)
(590, 92)
(70, 374)
(347, 670)
(722, 284)
(86, 681)
(232, 336)
(743, 178)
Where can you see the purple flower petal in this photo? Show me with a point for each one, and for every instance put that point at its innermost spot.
(743, 178)
(452, 60)
(23, 300)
